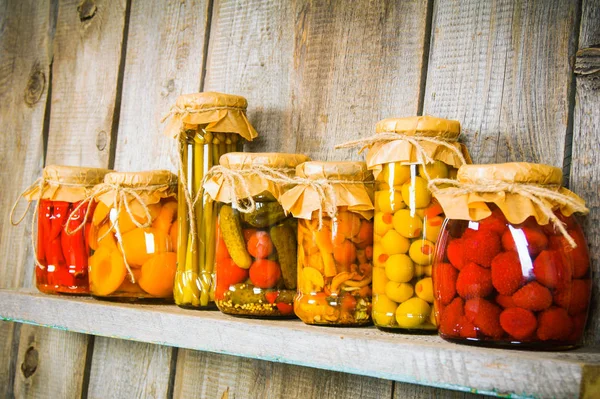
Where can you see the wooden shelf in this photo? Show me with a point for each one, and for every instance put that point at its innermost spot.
(418, 359)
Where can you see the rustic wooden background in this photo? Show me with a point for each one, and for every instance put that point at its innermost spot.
(87, 82)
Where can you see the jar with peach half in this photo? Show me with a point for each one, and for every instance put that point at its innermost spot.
(206, 126)
(63, 246)
(512, 267)
(256, 248)
(333, 204)
(404, 154)
(133, 236)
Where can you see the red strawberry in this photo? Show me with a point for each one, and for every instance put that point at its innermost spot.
(554, 324)
(531, 238)
(481, 247)
(578, 326)
(444, 278)
(450, 318)
(485, 316)
(467, 328)
(507, 275)
(474, 281)
(568, 221)
(455, 253)
(533, 296)
(550, 269)
(518, 322)
(496, 222)
(575, 298)
(579, 257)
(506, 301)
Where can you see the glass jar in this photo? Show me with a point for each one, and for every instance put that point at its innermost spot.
(256, 248)
(335, 242)
(207, 126)
(134, 243)
(407, 217)
(62, 247)
(507, 284)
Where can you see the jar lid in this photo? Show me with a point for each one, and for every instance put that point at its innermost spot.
(141, 179)
(242, 160)
(74, 174)
(211, 99)
(429, 126)
(511, 172)
(351, 171)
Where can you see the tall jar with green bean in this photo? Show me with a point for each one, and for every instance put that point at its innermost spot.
(207, 125)
(256, 248)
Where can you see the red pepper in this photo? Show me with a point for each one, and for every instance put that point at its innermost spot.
(59, 218)
(44, 216)
(73, 245)
(54, 253)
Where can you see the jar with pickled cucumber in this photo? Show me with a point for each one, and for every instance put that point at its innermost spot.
(256, 248)
(512, 267)
(333, 204)
(407, 217)
(63, 246)
(207, 125)
(133, 235)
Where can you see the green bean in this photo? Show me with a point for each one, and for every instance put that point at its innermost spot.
(182, 225)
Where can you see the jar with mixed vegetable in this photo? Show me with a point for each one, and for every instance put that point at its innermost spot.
(207, 125)
(256, 248)
(333, 204)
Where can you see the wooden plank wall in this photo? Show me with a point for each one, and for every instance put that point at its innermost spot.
(92, 79)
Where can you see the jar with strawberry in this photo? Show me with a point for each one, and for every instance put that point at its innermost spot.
(512, 266)
(256, 250)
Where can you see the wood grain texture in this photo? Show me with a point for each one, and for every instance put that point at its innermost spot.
(412, 391)
(426, 360)
(354, 64)
(143, 370)
(164, 60)
(503, 69)
(50, 363)
(250, 54)
(585, 173)
(87, 56)
(26, 30)
(210, 375)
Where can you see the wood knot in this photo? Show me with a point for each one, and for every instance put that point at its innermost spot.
(86, 10)
(101, 140)
(30, 362)
(168, 87)
(35, 86)
(587, 61)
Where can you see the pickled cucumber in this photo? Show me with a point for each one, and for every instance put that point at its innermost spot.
(266, 214)
(284, 239)
(231, 229)
(242, 293)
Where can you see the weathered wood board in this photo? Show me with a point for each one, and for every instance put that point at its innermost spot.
(503, 70)
(24, 82)
(585, 172)
(85, 74)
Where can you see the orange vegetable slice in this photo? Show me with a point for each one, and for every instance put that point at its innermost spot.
(100, 213)
(167, 214)
(130, 288)
(100, 236)
(158, 274)
(125, 222)
(106, 271)
(140, 244)
(348, 224)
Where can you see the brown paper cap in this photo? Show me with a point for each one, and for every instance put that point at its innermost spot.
(351, 171)
(421, 125)
(141, 179)
(219, 112)
(242, 160)
(66, 183)
(512, 172)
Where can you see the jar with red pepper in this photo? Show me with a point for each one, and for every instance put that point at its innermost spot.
(512, 266)
(256, 249)
(333, 202)
(63, 247)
